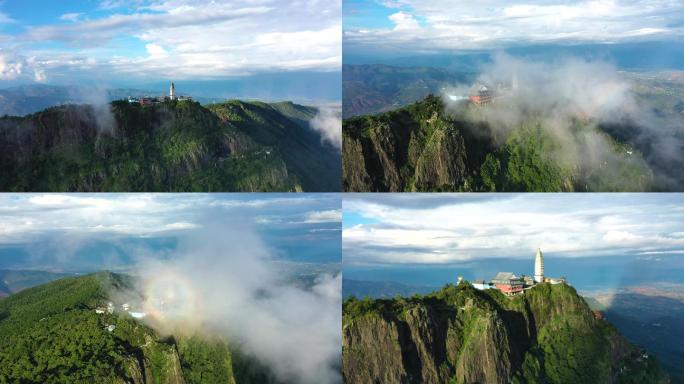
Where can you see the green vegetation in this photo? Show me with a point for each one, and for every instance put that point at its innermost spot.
(172, 146)
(284, 127)
(423, 147)
(460, 335)
(51, 334)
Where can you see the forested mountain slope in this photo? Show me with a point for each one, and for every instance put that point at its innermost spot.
(171, 146)
(461, 335)
(52, 334)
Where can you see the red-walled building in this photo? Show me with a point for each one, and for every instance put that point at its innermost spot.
(481, 96)
(508, 283)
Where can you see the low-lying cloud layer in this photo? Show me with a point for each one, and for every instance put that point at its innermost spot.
(571, 92)
(384, 230)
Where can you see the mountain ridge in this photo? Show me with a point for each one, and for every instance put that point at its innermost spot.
(171, 146)
(462, 335)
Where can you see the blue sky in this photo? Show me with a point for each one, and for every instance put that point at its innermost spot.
(62, 42)
(117, 230)
(439, 229)
(436, 26)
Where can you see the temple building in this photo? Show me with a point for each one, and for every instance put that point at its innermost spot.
(482, 96)
(508, 283)
(152, 100)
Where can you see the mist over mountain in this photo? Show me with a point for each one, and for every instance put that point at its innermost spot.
(568, 125)
(54, 330)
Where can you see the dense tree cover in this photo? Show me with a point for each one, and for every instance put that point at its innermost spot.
(68, 347)
(172, 146)
(51, 334)
(425, 147)
(285, 127)
(551, 332)
(205, 361)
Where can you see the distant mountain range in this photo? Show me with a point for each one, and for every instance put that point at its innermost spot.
(462, 335)
(315, 88)
(25, 99)
(171, 146)
(13, 281)
(369, 89)
(381, 289)
(647, 55)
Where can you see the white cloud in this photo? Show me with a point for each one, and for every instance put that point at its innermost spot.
(25, 218)
(328, 122)
(10, 68)
(156, 51)
(13, 66)
(510, 226)
(404, 21)
(328, 216)
(497, 23)
(191, 39)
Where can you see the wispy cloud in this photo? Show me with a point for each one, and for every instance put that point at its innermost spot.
(187, 39)
(27, 218)
(511, 226)
(498, 23)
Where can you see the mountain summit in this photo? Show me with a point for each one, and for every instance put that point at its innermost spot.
(462, 335)
(170, 146)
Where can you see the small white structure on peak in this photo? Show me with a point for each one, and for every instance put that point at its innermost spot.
(539, 267)
(126, 307)
(138, 315)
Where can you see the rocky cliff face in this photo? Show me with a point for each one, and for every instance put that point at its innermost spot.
(460, 335)
(416, 148)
